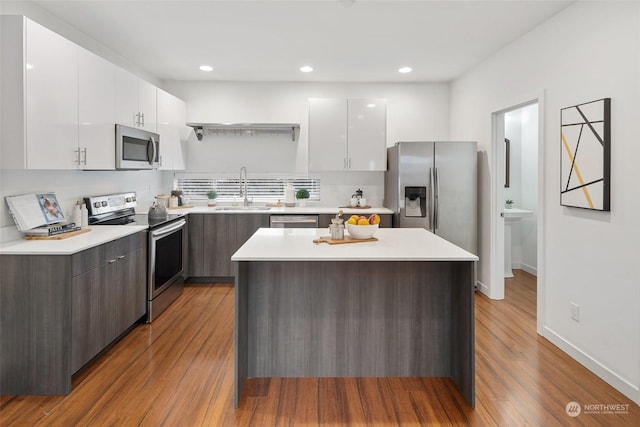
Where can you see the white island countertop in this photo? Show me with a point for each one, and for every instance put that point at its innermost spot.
(394, 244)
(71, 245)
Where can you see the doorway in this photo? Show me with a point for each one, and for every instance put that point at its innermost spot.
(518, 177)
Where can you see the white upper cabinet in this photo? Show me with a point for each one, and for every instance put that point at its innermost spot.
(172, 118)
(327, 134)
(96, 111)
(347, 134)
(367, 134)
(39, 97)
(136, 101)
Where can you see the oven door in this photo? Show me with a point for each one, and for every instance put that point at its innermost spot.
(165, 257)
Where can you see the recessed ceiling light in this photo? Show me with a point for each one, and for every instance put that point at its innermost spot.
(371, 105)
(306, 69)
(206, 68)
(405, 70)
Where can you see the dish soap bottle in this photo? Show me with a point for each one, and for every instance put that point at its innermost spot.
(289, 195)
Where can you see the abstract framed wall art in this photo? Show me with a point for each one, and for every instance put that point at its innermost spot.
(585, 157)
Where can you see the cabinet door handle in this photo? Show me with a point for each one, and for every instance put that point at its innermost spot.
(344, 163)
(84, 153)
(111, 261)
(77, 155)
(349, 162)
(121, 256)
(142, 115)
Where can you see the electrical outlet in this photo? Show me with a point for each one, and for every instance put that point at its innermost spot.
(575, 311)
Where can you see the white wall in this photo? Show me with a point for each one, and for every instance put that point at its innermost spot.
(521, 127)
(414, 112)
(71, 186)
(589, 51)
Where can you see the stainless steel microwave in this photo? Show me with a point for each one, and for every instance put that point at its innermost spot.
(136, 148)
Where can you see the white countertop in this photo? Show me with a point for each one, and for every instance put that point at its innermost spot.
(309, 210)
(394, 244)
(97, 236)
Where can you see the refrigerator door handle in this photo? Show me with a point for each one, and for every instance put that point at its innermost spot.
(432, 203)
(436, 206)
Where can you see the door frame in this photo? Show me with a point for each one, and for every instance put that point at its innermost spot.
(496, 285)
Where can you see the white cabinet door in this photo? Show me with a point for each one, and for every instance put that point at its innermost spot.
(147, 105)
(52, 99)
(347, 134)
(367, 135)
(127, 112)
(96, 111)
(180, 155)
(327, 134)
(171, 124)
(136, 101)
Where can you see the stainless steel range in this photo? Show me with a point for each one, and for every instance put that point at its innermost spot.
(165, 269)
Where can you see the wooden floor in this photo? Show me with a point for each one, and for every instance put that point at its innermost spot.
(178, 372)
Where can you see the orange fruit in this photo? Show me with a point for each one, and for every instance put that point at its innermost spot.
(363, 221)
(374, 219)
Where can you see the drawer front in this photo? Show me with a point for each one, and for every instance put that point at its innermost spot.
(92, 258)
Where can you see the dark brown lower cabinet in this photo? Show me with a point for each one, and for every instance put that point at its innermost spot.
(59, 311)
(106, 301)
(214, 238)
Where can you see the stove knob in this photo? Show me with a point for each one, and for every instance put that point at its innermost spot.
(128, 199)
(96, 205)
(133, 198)
(104, 203)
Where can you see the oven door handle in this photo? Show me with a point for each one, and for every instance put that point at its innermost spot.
(162, 232)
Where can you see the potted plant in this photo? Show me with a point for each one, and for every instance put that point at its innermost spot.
(508, 204)
(211, 195)
(302, 195)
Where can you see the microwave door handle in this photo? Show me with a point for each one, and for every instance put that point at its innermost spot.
(152, 141)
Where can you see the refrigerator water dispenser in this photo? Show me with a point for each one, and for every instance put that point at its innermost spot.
(415, 201)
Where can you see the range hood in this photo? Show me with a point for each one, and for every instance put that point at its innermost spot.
(202, 129)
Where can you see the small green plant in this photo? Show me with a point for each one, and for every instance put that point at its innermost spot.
(212, 194)
(302, 193)
(509, 201)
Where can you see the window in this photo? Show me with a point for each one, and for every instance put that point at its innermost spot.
(267, 189)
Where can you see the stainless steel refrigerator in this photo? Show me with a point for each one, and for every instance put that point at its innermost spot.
(433, 185)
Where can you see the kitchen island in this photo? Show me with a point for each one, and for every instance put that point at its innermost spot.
(401, 306)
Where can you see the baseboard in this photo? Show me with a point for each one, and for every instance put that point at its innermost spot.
(482, 288)
(529, 269)
(610, 377)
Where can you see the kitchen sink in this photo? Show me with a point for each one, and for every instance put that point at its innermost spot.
(242, 208)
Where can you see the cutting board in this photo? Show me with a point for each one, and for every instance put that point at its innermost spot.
(347, 239)
(59, 236)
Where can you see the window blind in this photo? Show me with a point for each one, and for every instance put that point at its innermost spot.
(268, 189)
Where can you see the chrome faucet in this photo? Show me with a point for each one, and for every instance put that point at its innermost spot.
(244, 184)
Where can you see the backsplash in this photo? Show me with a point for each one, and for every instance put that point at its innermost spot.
(71, 186)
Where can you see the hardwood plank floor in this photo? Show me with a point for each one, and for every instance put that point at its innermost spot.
(178, 372)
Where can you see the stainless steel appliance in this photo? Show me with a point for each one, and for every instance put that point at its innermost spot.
(433, 185)
(293, 221)
(136, 149)
(165, 269)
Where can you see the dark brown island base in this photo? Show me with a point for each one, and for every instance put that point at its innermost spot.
(398, 307)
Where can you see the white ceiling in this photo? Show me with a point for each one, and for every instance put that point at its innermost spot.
(270, 40)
